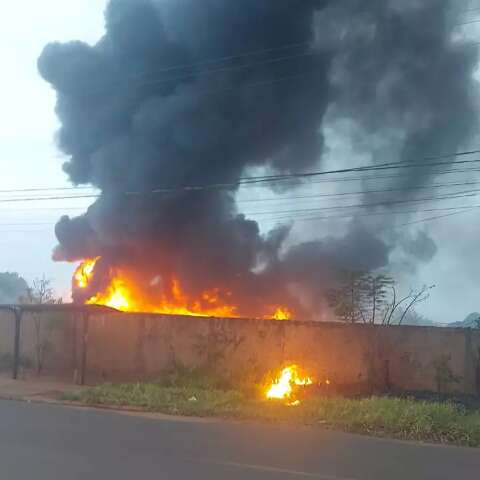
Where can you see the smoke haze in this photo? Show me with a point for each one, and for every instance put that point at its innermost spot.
(182, 92)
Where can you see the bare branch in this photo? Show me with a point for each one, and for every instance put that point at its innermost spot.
(419, 297)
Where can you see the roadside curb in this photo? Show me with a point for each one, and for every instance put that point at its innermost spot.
(158, 416)
(134, 411)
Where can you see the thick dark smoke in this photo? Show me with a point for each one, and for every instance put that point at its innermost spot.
(151, 107)
(402, 80)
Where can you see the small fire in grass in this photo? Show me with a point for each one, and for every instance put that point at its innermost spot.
(293, 382)
(287, 384)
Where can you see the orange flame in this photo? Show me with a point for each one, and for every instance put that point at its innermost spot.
(283, 387)
(123, 294)
(282, 313)
(84, 273)
(117, 296)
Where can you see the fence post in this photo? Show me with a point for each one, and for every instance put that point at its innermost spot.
(83, 366)
(16, 345)
(74, 319)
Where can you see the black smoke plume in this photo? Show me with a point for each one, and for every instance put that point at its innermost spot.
(194, 93)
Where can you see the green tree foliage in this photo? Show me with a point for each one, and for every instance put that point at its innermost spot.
(12, 287)
(372, 298)
(377, 291)
(346, 299)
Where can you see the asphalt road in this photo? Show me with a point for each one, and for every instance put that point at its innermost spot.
(45, 442)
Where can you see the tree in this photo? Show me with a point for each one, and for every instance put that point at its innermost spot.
(12, 287)
(41, 293)
(376, 292)
(347, 299)
(360, 297)
(372, 298)
(471, 321)
(405, 304)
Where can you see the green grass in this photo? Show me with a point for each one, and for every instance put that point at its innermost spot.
(184, 394)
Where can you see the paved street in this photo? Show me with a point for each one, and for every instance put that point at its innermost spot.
(48, 442)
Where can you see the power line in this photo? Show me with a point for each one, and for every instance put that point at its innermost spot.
(468, 10)
(45, 189)
(312, 182)
(260, 83)
(229, 58)
(306, 214)
(219, 90)
(281, 199)
(362, 192)
(374, 167)
(225, 69)
(27, 231)
(252, 53)
(224, 59)
(371, 205)
(308, 211)
(256, 180)
(317, 195)
(437, 217)
(367, 178)
(186, 76)
(468, 22)
(451, 155)
(41, 209)
(457, 210)
(336, 180)
(372, 214)
(17, 224)
(32, 199)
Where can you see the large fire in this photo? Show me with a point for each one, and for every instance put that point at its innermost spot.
(282, 313)
(123, 294)
(290, 379)
(84, 272)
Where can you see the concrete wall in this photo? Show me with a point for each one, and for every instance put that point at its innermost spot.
(355, 357)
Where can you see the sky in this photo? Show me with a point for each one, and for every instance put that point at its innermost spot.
(28, 155)
(30, 159)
